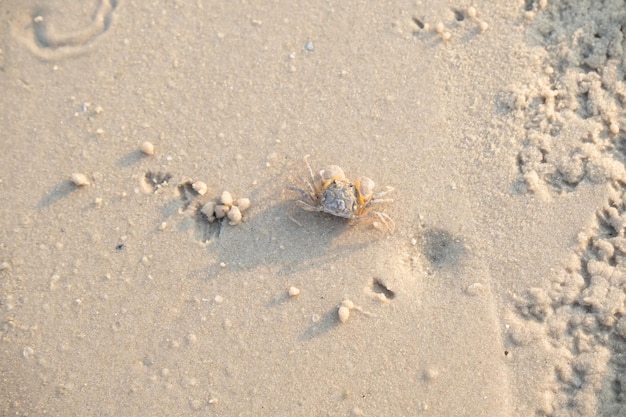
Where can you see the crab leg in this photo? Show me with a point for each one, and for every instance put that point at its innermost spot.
(380, 200)
(378, 195)
(384, 219)
(306, 195)
(306, 206)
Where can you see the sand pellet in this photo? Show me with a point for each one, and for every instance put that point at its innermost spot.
(234, 215)
(209, 209)
(226, 199)
(200, 187)
(221, 210)
(243, 204)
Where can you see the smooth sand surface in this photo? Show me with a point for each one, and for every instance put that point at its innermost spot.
(499, 124)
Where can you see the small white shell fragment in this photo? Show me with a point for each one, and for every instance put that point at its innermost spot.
(27, 352)
(226, 199)
(471, 12)
(293, 291)
(147, 148)
(80, 179)
(381, 297)
(343, 313)
(221, 210)
(476, 289)
(348, 304)
(200, 187)
(243, 204)
(163, 226)
(191, 338)
(196, 404)
(234, 215)
(208, 209)
(54, 282)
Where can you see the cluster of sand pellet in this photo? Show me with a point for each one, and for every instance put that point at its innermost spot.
(226, 207)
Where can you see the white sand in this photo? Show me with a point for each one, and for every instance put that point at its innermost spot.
(501, 293)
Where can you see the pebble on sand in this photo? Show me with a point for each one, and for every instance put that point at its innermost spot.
(343, 313)
(79, 179)
(293, 291)
(147, 148)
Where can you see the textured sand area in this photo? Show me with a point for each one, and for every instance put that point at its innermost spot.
(499, 124)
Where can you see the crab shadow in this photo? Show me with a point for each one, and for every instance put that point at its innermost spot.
(286, 239)
(57, 193)
(327, 322)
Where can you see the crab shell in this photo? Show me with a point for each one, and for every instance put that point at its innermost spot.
(339, 198)
(342, 198)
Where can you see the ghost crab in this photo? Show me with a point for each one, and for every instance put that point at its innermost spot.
(331, 192)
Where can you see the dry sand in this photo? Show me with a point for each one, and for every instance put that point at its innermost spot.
(499, 123)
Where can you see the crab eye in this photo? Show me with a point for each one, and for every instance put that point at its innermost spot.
(365, 188)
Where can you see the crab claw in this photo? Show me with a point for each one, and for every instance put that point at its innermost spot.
(330, 173)
(365, 189)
